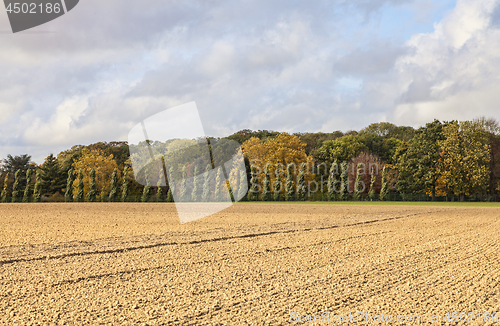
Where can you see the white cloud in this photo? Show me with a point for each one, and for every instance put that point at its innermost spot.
(453, 72)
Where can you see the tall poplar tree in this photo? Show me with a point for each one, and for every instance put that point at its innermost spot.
(171, 188)
(385, 186)
(15, 188)
(218, 186)
(79, 194)
(68, 197)
(358, 187)
(371, 193)
(289, 187)
(243, 189)
(344, 181)
(206, 184)
(253, 194)
(124, 197)
(5, 191)
(92, 194)
(266, 191)
(277, 185)
(333, 181)
(195, 194)
(114, 186)
(27, 189)
(301, 187)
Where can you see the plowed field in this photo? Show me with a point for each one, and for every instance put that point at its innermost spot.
(256, 264)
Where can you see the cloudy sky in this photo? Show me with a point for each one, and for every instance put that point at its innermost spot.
(285, 65)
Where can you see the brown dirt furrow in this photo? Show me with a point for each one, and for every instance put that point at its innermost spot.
(252, 264)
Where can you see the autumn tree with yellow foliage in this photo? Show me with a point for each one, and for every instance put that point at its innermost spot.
(278, 152)
(103, 164)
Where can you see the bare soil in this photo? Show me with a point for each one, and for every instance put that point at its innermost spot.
(135, 264)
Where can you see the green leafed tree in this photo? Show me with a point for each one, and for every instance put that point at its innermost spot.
(15, 188)
(466, 158)
(419, 165)
(79, 195)
(342, 149)
(289, 187)
(69, 186)
(92, 194)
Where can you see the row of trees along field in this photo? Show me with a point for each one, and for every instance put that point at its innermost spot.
(440, 161)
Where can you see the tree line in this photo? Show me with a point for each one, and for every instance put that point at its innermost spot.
(443, 160)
